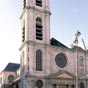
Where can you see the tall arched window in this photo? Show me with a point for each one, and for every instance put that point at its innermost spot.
(81, 61)
(39, 34)
(10, 78)
(23, 31)
(39, 60)
(39, 2)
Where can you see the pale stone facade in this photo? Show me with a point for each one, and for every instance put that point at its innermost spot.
(51, 75)
(45, 62)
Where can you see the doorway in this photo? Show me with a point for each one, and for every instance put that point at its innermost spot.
(63, 86)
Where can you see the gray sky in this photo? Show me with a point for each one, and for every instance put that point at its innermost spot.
(67, 17)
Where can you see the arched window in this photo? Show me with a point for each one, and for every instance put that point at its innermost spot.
(0, 80)
(39, 34)
(38, 60)
(39, 2)
(81, 71)
(81, 61)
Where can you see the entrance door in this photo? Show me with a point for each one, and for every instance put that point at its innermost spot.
(63, 86)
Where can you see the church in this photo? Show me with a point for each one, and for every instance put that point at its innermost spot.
(44, 62)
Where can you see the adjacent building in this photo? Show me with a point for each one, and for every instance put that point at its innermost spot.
(9, 74)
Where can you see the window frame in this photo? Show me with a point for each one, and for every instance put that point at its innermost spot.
(39, 3)
(24, 4)
(39, 60)
(39, 27)
(81, 61)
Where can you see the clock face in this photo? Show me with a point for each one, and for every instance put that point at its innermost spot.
(61, 60)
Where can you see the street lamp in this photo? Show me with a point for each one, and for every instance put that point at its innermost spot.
(76, 43)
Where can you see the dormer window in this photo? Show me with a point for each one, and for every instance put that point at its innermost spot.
(39, 2)
(39, 34)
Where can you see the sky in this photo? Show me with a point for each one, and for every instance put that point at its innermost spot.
(67, 17)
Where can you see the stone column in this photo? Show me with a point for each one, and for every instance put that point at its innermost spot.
(69, 85)
(57, 85)
(48, 85)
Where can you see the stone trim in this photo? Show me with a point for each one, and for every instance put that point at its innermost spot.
(36, 9)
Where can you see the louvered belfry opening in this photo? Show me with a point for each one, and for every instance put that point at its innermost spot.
(23, 34)
(39, 2)
(24, 4)
(39, 34)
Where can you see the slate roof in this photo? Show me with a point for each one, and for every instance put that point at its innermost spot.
(55, 42)
(12, 67)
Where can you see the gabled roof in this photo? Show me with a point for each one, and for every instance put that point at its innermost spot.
(55, 42)
(12, 67)
(57, 74)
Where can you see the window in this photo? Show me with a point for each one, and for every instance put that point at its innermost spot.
(0, 80)
(28, 67)
(61, 60)
(28, 59)
(38, 60)
(39, 2)
(22, 62)
(81, 71)
(17, 85)
(81, 85)
(23, 34)
(24, 4)
(10, 78)
(39, 34)
(23, 56)
(81, 61)
(54, 86)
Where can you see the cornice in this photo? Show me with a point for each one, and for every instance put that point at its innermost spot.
(33, 43)
(23, 44)
(45, 11)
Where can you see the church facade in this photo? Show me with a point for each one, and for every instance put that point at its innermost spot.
(45, 62)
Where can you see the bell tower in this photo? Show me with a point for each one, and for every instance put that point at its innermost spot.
(35, 20)
(34, 50)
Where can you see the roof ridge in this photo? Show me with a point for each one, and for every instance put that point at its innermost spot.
(57, 43)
